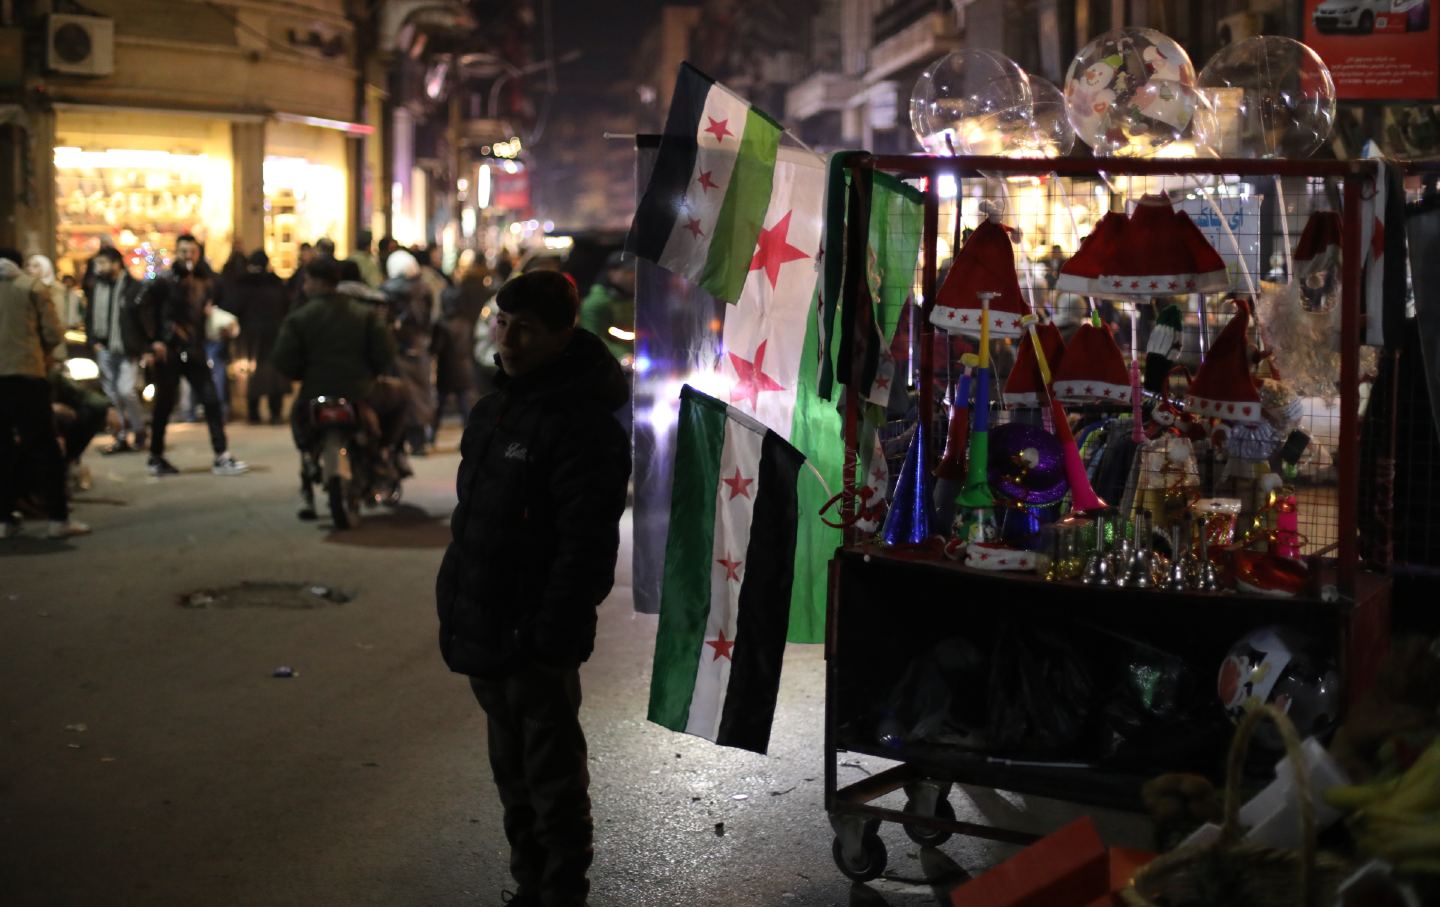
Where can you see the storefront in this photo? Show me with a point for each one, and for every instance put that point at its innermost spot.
(139, 179)
(307, 189)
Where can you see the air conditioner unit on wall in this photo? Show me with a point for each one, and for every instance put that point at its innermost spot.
(80, 45)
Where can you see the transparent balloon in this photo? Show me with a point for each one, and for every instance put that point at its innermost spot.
(1049, 133)
(1158, 115)
(1273, 97)
(1106, 88)
(971, 102)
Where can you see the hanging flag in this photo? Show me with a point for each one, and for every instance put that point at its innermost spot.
(764, 332)
(728, 569)
(704, 207)
(896, 220)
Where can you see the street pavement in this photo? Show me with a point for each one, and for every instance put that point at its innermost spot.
(151, 756)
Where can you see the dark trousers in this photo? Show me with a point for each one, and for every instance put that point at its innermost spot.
(464, 402)
(28, 446)
(538, 757)
(277, 407)
(196, 373)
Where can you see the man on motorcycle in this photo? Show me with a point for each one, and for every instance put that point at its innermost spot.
(334, 346)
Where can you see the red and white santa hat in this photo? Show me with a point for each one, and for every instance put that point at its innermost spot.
(1319, 246)
(1093, 370)
(985, 264)
(1079, 274)
(999, 556)
(1224, 387)
(1023, 386)
(1160, 253)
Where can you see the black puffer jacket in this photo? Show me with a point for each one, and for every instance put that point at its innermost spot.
(543, 472)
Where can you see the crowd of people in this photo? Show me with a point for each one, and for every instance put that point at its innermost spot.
(219, 330)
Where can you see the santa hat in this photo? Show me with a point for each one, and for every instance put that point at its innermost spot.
(1163, 348)
(999, 556)
(1224, 387)
(985, 264)
(1160, 253)
(1093, 370)
(1079, 274)
(1319, 247)
(1022, 387)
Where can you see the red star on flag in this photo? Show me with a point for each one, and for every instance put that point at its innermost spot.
(752, 378)
(732, 568)
(1089, 389)
(999, 322)
(1174, 284)
(719, 130)
(877, 474)
(1154, 284)
(706, 182)
(738, 486)
(1015, 323)
(1189, 284)
(722, 646)
(693, 225)
(773, 250)
(881, 381)
(1134, 284)
(964, 319)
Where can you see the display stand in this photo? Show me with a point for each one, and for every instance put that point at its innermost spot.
(888, 606)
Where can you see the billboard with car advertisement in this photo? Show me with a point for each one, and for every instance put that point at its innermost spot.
(1377, 50)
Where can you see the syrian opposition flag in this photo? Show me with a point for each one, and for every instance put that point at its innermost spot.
(705, 204)
(729, 564)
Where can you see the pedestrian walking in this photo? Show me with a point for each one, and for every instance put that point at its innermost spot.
(410, 301)
(29, 332)
(454, 344)
(365, 259)
(535, 536)
(115, 335)
(261, 304)
(175, 310)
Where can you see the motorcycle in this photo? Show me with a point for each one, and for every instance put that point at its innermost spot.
(349, 466)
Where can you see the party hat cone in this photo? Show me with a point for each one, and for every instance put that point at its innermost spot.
(909, 519)
(952, 462)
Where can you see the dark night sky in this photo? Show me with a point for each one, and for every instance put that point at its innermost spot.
(606, 32)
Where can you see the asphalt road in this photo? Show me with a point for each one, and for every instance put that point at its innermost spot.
(150, 756)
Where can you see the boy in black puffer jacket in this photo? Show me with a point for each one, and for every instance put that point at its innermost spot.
(536, 532)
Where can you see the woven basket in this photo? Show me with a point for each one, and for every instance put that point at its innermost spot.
(1233, 873)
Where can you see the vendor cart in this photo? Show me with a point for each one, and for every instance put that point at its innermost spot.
(897, 612)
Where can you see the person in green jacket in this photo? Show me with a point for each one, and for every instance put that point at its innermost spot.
(608, 310)
(335, 346)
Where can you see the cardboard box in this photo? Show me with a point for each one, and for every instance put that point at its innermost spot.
(1069, 867)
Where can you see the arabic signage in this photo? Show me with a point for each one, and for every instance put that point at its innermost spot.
(1242, 216)
(1377, 50)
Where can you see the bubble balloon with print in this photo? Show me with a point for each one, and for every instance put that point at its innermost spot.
(1273, 97)
(1130, 92)
(971, 102)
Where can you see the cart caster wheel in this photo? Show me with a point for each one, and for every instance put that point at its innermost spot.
(928, 837)
(871, 860)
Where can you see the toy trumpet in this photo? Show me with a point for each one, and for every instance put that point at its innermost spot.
(1082, 496)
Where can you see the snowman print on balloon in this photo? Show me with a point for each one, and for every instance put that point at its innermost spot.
(1131, 93)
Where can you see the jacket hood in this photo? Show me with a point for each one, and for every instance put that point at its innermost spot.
(9, 270)
(358, 289)
(46, 268)
(585, 371)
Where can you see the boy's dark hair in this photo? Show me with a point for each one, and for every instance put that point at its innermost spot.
(550, 295)
(323, 269)
(186, 237)
(10, 254)
(110, 253)
(258, 259)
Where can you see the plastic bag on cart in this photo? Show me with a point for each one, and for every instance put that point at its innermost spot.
(939, 699)
(1042, 691)
(1154, 711)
